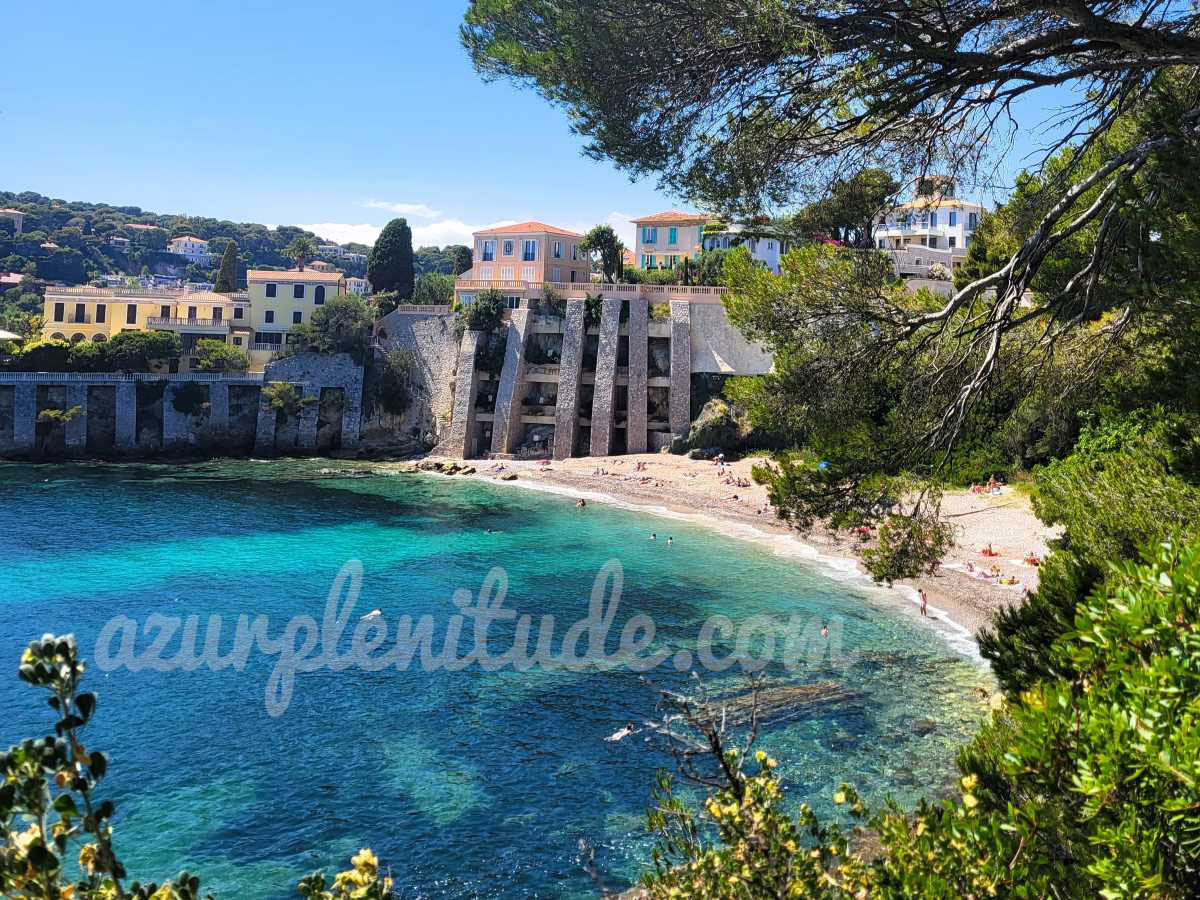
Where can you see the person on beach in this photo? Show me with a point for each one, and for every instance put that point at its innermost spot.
(924, 602)
(581, 503)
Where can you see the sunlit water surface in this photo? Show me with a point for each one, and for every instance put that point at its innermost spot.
(466, 783)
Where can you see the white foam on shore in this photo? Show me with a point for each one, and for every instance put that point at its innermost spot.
(957, 636)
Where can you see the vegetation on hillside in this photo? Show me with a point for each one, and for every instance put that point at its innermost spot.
(83, 233)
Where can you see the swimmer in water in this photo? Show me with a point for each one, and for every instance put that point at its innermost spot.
(622, 734)
(670, 540)
(373, 614)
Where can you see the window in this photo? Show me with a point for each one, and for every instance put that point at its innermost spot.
(953, 219)
(131, 314)
(527, 273)
(933, 241)
(770, 245)
(238, 312)
(508, 248)
(164, 312)
(572, 276)
(556, 274)
(297, 292)
(574, 251)
(485, 273)
(274, 338)
(297, 317)
(652, 263)
(967, 242)
(487, 250)
(672, 235)
(933, 220)
(319, 295)
(268, 316)
(507, 273)
(512, 302)
(951, 241)
(556, 251)
(216, 316)
(237, 342)
(101, 311)
(881, 243)
(271, 290)
(972, 221)
(191, 312)
(882, 220)
(59, 312)
(529, 251)
(80, 312)
(649, 235)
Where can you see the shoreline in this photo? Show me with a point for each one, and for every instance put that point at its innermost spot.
(692, 491)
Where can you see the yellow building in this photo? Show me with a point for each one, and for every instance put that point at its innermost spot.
(256, 322)
(281, 300)
(97, 314)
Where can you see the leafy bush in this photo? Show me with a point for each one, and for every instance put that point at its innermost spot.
(343, 325)
(433, 288)
(217, 356)
(46, 355)
(134, 351)
(49, 803)
(1082, 786)
(484, 313)
(395, 370)
(284, 397)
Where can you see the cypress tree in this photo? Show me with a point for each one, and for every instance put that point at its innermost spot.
(390, 262)
(227, 275)
(462, 259)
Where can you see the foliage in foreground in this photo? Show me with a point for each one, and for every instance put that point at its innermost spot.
(49, 806)
(1082, 786)
(342, 325)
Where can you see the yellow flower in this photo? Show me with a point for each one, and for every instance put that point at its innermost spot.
(760, 757)
(969, 801)
(839, 798)
(87, 858)
(969, 782)
(364, 858)
(790, 846)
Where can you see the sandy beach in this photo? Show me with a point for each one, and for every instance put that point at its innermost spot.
(728, 494)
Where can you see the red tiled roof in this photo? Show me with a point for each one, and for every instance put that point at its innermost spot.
(529, 228)
(673, 216)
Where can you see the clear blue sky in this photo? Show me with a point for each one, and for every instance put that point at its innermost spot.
(297, 113)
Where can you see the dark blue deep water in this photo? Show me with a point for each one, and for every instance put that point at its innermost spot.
(466, 783)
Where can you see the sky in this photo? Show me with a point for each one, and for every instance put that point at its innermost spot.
(335, 118)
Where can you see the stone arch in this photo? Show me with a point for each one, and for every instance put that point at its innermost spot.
(78, 337)
(58, 336)
(99, 339)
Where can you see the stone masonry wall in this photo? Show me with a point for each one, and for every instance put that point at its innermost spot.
(606, 377)
(570, 372)
(680, 398)
(639, 363)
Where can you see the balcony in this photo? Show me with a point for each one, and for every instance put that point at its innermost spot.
(164, 323)
(578, 290)
(269, 348)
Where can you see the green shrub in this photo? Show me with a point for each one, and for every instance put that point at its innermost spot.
(189, 398)
(134, 351)
(217, 356)
(46, 355)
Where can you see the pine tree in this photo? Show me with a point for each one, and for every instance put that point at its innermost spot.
(390, 262)
(227, 275)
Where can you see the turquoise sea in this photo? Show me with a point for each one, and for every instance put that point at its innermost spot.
(466, 783)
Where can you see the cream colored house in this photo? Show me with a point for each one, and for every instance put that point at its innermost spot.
(530, 253)
(936, 227)
(665, 239)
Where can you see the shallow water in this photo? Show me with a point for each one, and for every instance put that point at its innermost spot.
(466, 783)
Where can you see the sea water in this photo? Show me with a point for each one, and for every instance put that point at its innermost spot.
(466, 783)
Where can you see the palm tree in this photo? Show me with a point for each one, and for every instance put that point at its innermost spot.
(301, 250)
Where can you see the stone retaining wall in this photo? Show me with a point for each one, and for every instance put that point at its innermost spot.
(114, 422)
